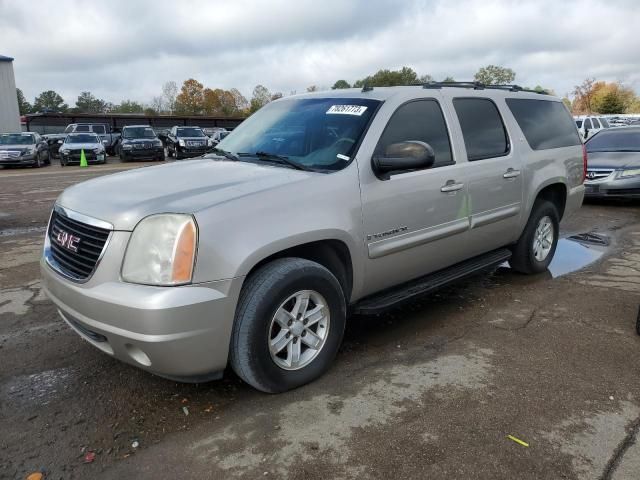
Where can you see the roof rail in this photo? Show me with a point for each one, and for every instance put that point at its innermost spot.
(366, 88)
(482, 86)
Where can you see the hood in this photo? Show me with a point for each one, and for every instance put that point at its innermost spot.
(124, 198)
(140, 140)
(613, 160)
(78, 146)
(196, 139)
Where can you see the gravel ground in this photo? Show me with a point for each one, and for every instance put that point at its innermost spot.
(431, 390)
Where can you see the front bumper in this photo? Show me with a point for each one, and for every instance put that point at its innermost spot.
(180, 333)
(29, 159)
(614, 188)
(143, 153)
(71, 158)
(191, 151)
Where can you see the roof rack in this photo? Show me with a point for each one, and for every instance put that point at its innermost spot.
(474, 85)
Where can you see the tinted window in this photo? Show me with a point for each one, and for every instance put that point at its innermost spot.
(482, 128)
(545, 124)
(623, 140)
(82, 138)
(82, 128)
(578, 123)
(595, 122)
(99, 129)
(604, 122)
(190, 132)
(422, 121)
(587, 124)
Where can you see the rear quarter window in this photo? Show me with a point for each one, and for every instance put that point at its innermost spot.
(545, 124)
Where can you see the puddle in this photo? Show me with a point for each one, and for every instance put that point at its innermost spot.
(577, 252)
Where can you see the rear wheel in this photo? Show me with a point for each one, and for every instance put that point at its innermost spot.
(289, 325)
(537, 244)
(38, 163)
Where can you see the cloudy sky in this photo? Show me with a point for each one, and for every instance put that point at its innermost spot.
(124, 49)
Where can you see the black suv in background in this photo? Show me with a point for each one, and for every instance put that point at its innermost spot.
(138, 142)
(185, 142)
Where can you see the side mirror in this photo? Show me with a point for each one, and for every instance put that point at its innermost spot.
(410, 155)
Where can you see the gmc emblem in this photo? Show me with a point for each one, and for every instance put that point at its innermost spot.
(68, 241)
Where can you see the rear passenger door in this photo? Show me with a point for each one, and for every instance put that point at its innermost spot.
(493, 174)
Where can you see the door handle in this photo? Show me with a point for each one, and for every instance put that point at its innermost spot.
(511, 173)
(451, 187)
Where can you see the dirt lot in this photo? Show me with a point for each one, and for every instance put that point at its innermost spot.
(431, 390)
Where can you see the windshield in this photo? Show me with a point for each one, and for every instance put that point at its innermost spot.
(190, 132)
(318, 133)
(82, 138)
(138, 132)
(16, 139)
(624, 140)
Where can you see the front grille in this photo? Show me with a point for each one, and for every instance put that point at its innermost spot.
(88, 154)
(195, 143)
(141, 146)
(594, 174)
(91, 241)
(9, 154)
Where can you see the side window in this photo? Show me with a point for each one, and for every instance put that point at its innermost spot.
(544, 123)
(485, 136)
(69, 129)
(82, 128)
(587, 124)
(419, 120)
(99, 129)
(605, 123)
(596, 123)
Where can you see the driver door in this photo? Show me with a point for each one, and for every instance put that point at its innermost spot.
(415, 222)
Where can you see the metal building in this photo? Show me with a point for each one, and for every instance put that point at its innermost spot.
(9, 113)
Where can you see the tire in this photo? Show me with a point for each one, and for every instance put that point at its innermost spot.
(275, 286)
(38, 163)
(169, 152)
(531, 254)
(48, 161)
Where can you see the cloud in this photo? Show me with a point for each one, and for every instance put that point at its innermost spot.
(122, 49)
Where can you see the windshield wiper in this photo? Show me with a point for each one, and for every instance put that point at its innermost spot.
(226, 154)
(272, 157)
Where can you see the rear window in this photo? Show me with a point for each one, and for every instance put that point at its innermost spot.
(605, 123)
(545, 124)
(99, 129)
(482, 129)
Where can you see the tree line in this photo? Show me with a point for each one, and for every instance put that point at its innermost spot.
(193, 98)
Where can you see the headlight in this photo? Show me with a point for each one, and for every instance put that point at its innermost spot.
(64, 151)
(630, 173)
(181, 142)
(97, 150)
(162, 250)
(158, 143)
(127, 146)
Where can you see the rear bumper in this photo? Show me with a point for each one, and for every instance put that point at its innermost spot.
(177, 332)
(575, 197)
(143, 153)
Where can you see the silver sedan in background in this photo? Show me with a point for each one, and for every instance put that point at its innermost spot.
(613, 165)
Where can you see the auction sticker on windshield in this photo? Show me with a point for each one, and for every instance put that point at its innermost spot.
(347, 110)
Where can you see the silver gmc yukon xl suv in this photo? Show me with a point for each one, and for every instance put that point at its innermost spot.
(317, 206)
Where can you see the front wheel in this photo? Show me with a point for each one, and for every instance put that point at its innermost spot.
(537, 244)
(289, 325)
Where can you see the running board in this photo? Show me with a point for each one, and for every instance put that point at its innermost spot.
(386, 299)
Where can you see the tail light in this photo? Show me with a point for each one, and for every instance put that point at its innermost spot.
(584, 163)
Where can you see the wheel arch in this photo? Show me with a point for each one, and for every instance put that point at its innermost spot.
(555, 191)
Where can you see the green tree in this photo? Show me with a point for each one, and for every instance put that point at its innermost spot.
(24, 106)
(389, 78)
(190, 100)
(611, 103)
(88, 103)
(261, 96)
(128, 106)
(49, 100)
(312, 88)
(448, 79)
(426, 78)
(495, 75)
(340, 84)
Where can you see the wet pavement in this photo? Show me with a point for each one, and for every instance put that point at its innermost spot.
(431, 390)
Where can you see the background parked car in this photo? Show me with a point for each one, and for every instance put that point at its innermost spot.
(217, 136)
(140, 141)
(23, 149)
(613, 165)
(70, 150)
(590, 125)
(185, 142)
(108, 137)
